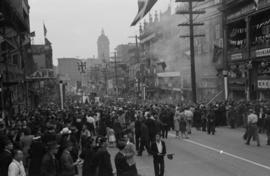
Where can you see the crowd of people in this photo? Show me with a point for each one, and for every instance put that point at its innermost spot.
(53, 142)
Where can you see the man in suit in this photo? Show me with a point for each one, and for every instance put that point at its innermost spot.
(6, 157)
(158, 150)
(68, 166)
(122, 167)
(49, 164)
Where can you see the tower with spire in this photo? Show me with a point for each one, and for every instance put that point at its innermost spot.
(103, 46)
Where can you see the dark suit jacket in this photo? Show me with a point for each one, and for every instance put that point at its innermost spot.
(155, 153)
(49, 165)
(5, 160)
(66, 163)
(121, 164)
(102, 160)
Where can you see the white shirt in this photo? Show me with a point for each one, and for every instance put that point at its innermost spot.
(90, 119)
(252, 118)
(159, 146)
(16, 169)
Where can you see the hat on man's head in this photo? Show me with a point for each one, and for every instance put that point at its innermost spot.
(65, 131)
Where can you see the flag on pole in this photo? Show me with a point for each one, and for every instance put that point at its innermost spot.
(256, 2)
(44, 30)
(144, 7)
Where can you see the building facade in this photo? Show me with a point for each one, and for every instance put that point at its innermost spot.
(15, 61)
(247, 48)
(42, 55)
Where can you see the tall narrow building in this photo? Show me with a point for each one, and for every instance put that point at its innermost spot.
(103, 46)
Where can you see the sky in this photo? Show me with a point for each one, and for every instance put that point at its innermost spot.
(74, 25)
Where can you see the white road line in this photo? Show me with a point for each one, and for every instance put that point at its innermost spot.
(225, 153)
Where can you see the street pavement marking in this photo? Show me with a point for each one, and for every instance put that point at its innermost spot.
(229, 154)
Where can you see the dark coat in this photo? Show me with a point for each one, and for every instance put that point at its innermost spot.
(102, 159)
(122, 168)
(49, 165)
(36, 154)
(66, 164)
(137, 128)
(88, 165)
(5, 160)
(144, 132)
(154, 150)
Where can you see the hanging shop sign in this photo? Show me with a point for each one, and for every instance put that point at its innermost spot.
(263, 52)
(237, 56)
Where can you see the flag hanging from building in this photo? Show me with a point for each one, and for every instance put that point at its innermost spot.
(144, 7)
(256, 2)
(44, 30)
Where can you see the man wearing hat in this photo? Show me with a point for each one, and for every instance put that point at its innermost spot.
(102, 159)
(49, 164)
(66, 161)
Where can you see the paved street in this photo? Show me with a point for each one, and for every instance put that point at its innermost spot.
(197, 156)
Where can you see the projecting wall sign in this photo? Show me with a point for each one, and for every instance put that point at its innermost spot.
(237, 56)
(263, 52)
(263, 84)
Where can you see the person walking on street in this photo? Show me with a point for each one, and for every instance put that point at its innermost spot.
(189, 117)
(6, 157)
(102, 159)
(252, 127)
(177, 117)
(137, 132)
(67, 165)
(144, 138)
(49, 164)
(158, 150)
(122, 167)
(16, 167)
(267, 126)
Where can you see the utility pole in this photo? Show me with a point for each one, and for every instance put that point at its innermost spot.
(138, 59)
(115, 73)
(191, 36)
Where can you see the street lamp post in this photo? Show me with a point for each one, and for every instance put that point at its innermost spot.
(2, 96)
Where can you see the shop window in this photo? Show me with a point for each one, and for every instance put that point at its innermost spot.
(237, 35)
(260, 30)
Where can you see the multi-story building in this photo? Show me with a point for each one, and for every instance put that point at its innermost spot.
(103, 47)
(42, 55)
(15, 61)
(208, 51)
(247, 48)
(163, 51)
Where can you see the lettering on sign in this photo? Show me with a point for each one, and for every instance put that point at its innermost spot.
(263, 52)
(264, 84)
(237, 56)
